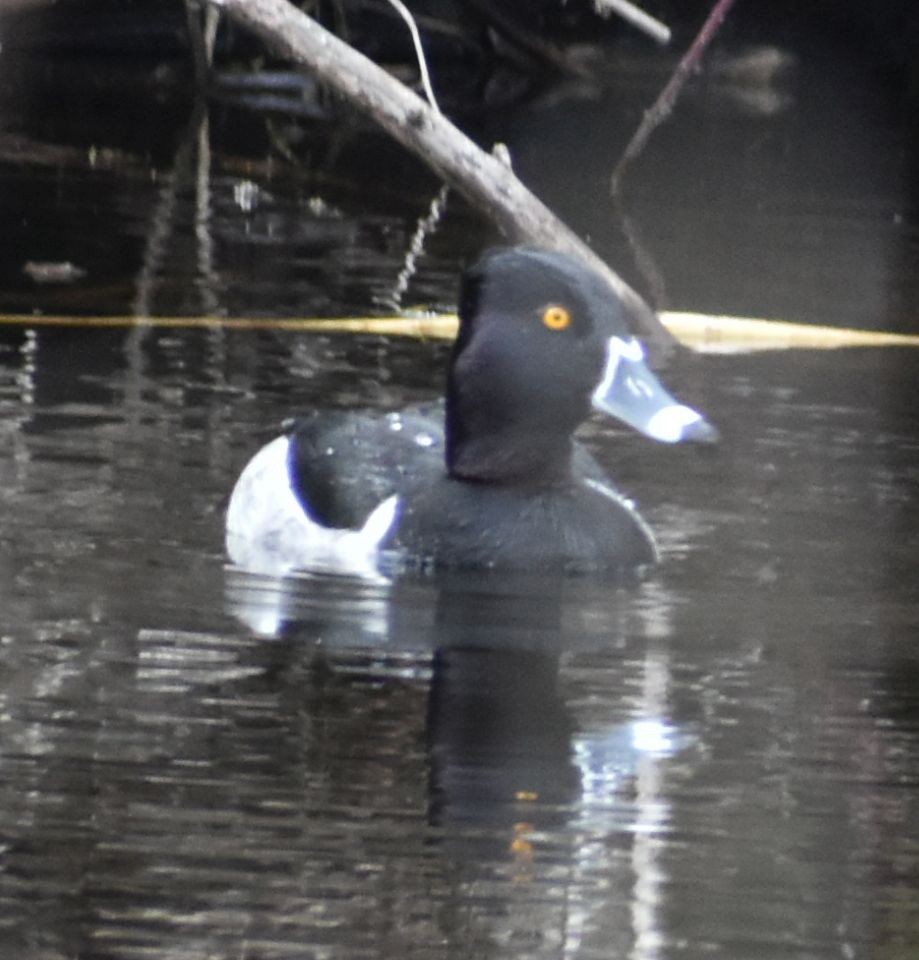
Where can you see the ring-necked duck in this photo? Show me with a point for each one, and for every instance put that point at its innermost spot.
(501, 483)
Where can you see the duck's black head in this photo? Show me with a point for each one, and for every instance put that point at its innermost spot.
(542, 340)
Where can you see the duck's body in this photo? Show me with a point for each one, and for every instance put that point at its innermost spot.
(579, 526)
(494, 481)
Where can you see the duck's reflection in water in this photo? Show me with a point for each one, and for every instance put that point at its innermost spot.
(500, 740)
(537, 783)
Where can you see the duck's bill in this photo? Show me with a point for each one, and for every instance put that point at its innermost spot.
(630, 392)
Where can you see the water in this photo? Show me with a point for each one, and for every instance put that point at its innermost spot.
(720, 759)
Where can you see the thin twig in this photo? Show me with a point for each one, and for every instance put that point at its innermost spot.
(406, 15)
(211, 23)
(659, 112)
(202, 33)
(637, 17)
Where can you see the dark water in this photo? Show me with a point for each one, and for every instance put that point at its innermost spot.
(719, 760)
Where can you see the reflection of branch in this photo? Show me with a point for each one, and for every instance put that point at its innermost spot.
(644, 259)
(16, 148)
(484, 180)
(425, 226)
(158, 236)
(659, 112)
(207, 281)
(192, 165)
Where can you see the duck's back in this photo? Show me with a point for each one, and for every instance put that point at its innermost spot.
(344, 464)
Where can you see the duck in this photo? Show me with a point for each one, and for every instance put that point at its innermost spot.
(492, 478)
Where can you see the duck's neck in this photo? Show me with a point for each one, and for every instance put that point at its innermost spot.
(483, 447)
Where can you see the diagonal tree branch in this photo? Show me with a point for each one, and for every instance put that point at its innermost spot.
(486, 182)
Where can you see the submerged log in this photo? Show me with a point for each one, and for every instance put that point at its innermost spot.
(705, 333)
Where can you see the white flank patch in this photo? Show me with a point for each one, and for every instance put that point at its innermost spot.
(268, 530)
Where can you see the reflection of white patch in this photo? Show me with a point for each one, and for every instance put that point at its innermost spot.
(356, 615)
(653, 736)
(607, 758)
(670, 422)
(269, 531)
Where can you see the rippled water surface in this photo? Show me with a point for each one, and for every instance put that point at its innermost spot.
(720, 759)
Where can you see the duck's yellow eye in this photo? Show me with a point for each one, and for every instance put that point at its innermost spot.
(556, 318)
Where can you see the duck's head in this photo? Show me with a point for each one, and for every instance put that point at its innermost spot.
(542, 341)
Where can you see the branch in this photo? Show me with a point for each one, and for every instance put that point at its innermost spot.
(634, 15)
(661, 108)
(488, 184)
